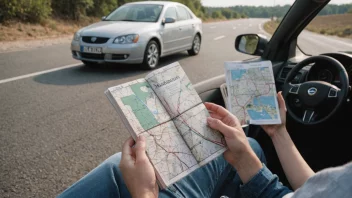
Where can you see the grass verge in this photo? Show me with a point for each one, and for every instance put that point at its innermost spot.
(335, 25)
(50, 28)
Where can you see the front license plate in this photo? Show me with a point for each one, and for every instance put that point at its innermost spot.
(93, 50)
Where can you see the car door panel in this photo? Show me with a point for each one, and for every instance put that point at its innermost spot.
(185, 27)
(171, 32)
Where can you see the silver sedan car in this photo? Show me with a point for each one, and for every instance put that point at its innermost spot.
(140, 32)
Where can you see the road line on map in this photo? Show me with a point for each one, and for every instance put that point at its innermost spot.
(38, 73)
(218, 38)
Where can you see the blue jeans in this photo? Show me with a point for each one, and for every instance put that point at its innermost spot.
(215, 179)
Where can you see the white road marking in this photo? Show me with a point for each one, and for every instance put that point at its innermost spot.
(250, 25)
(239, 24)
(212, 27)
(263, 31)
(38, 73)
(234, 28)
(218, 38)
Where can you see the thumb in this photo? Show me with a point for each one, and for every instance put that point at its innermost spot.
(140, 149)
(281, 102)
(217, 124)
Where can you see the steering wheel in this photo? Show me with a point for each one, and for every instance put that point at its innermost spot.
(311, 96)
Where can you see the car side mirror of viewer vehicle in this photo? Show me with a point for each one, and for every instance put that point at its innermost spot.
(252, 44)
(168, 20)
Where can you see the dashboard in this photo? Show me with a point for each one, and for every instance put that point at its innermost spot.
(320, 71)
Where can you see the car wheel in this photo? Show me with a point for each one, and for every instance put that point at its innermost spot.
(90, 64)
(195, 46)
(151, 55)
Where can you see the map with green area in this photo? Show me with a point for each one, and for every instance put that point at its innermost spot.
(140, 105)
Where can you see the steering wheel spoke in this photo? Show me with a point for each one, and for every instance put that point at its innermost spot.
(294, 88)
(308, 116)
(334, 92)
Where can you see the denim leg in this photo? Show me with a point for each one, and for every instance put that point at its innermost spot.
(230, 181)
(215, 178)
(104, 181)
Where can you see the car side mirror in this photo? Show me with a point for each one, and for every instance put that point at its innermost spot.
(253, 44)
(103, 18)
(169, 20)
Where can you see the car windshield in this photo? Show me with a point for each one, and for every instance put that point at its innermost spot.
(329, 31)
(136, 12)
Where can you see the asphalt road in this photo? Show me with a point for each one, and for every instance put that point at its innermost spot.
(58, 125)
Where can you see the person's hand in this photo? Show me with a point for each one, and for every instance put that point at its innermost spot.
(225, 122)
(137, 171)
(239, 153)
(272, 130)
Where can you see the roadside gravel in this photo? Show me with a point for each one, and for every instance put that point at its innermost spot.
(30, 44)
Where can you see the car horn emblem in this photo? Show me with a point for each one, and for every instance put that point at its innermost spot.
(312, 91)
(93, 39)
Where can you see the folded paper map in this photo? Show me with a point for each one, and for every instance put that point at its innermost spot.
(165, 108)
(251, 92)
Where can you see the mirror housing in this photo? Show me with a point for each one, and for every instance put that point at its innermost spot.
(252, 44)
(168, 20)
(103, 18)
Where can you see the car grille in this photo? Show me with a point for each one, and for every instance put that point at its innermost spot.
(93, 56)
(99, 40)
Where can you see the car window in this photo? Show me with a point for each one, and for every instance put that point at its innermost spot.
(171, 13)
(136, 12)
(182, 13)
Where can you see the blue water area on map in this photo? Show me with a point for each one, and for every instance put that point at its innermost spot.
(260, 101)
(255, 115)
(265, 100)
(237, 74)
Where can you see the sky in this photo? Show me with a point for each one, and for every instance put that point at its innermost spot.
(224, 3)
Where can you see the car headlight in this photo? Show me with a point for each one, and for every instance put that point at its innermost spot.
(77, 36)
(127, 39)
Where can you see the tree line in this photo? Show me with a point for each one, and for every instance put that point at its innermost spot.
(35, 11)
(280, 11)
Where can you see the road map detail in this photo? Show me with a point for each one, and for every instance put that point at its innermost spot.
(252, 92)
(169, 153)
(174, 89)
(140, 105)
(204, 142)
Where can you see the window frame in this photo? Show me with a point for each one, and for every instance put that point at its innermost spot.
(186, 12)
(177, 17)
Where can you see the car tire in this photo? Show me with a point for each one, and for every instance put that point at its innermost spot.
(151, 55)
(196, 44)
(90, 64)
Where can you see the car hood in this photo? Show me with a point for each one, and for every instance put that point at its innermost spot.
(115, 28)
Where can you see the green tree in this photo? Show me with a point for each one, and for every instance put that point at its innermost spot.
(227, 13)
(102, 7)
(71, 9)
(217, 15)
(24, 10)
